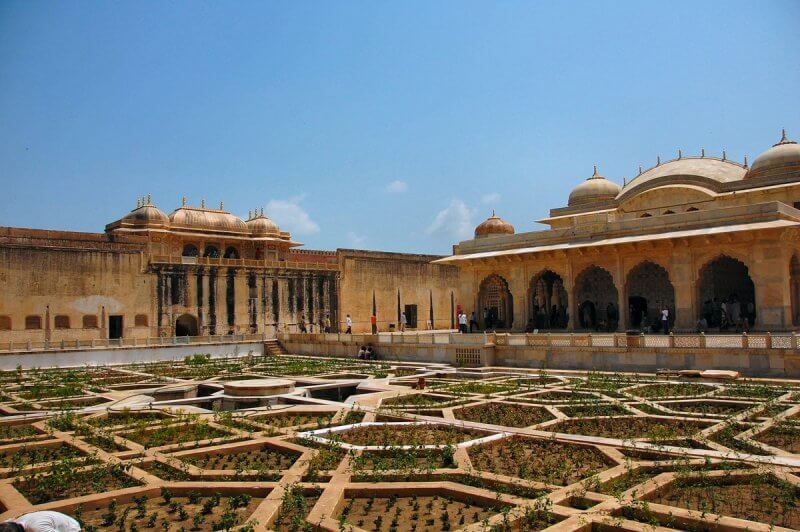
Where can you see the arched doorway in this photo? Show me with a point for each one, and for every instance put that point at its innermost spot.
(726, 293)
(496, 303)
(186, 325)
(596, 297)
(547, 301)
(649, 291)
(211, 252)
(794, 288)
(231, 253)
(190, 250)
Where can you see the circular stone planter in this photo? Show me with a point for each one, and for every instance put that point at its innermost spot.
(258, 387)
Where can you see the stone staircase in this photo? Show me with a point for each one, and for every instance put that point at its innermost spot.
(274, 347)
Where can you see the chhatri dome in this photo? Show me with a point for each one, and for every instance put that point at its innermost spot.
(260, 225)
(145, 215)
(785, 153)
(594, 190)
(494, 225)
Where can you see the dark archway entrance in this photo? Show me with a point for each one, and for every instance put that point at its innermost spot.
(726, 294)
(186, 325)
(597, 297)
(548, 302)
(496, 303)
(649, 291)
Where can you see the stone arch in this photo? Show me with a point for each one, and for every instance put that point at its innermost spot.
(496, 303)
(727, 280)
(648, 290)
(190, 250)
(548, 301)
(794, 288)
(596, 299)
(211, 252)
(231, 253)
(186, 325)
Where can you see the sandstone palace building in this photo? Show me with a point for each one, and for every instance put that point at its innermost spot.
(698, 236)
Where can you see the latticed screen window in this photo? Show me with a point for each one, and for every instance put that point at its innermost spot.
(33, 322)
(140, 320)
(61, 322)
(90, 321)
(494, 298)
(5, 323)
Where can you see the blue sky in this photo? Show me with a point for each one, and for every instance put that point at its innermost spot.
(379, 125)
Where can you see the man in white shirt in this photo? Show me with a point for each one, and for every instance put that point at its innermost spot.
(349, 323)
(462, 322)
(46, 521)
(665, 320)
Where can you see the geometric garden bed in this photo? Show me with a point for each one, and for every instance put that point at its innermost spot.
(501, 449)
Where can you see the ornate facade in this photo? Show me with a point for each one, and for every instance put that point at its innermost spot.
(714, 242)
(202, 271)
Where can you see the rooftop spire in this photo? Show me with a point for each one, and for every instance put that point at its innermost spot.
(183, 201)
(680, 154)
(745, 161)
(249, 214)
(203, 203)
(640, 169)
(702, 152)
(148, 199)
(138, 202)
(658, 160)
(221, 205)
(724, 155)
(493, 214)
(783, 135)
(262, 211)
(595, 174)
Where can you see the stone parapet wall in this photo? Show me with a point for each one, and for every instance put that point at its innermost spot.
(751, 361)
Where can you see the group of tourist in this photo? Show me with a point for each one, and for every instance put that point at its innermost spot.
(324, 324)
(726, 314)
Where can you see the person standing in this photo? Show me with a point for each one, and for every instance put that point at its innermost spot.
(349, 324)
(403, 322)
(374, 322)
(301, 324)
(665, 320)
(473, 321)
(327, 323)
(462, 323)
(45, 521)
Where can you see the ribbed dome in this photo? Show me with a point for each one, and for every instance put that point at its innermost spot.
(203, 219)
(260, 225)
(145, 215)
(784, 154)
(494, 225)
(594, 190)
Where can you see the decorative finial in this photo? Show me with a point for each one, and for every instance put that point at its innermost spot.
(249, 214)
(138, 202)
(595, 174)
(262, 211)
(702, 152)
(203, 203)
(493, 214)
(624, 181)
(783, 135)
(183, 201)
(149, 202)
(724, 155)
(221, 205)
(745, 161)
(658, 160)
(640, 169)
(680, 154)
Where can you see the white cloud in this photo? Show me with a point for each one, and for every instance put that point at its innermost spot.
(354, 239)
(454, 221)
(290, 216)
(397, 187)
(491, 198)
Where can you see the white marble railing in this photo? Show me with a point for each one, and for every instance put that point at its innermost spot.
(104, 343)
(563, 340)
